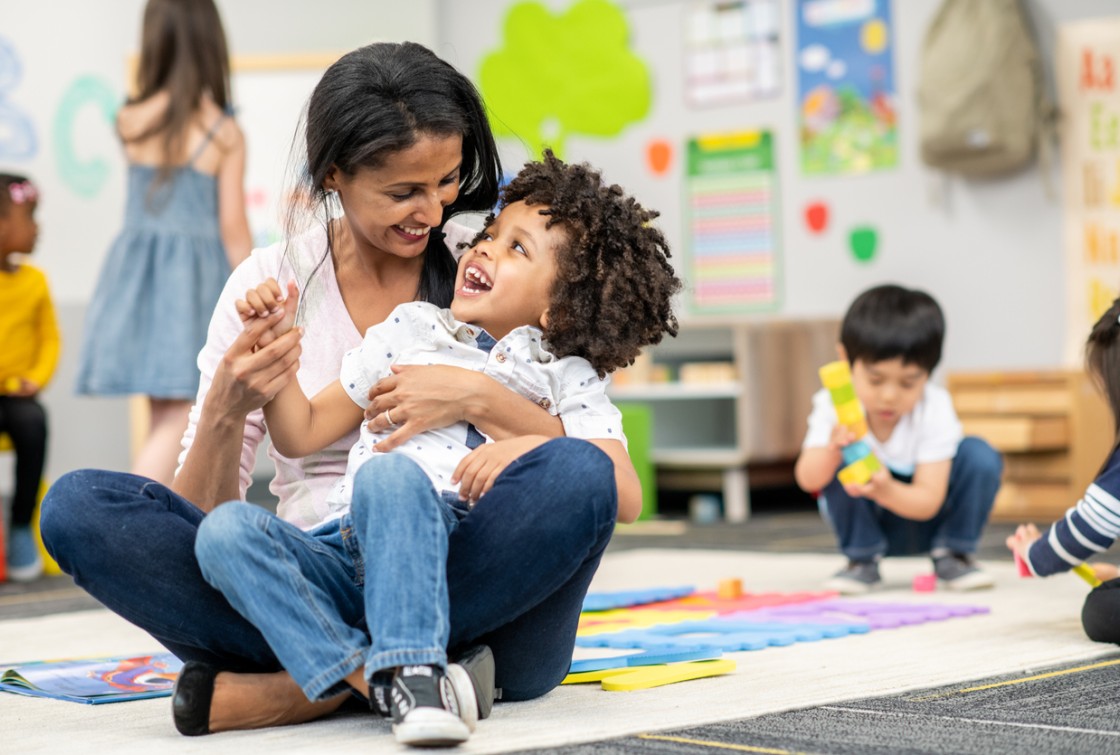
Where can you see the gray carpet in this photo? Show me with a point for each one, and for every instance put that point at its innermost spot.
(1074, 708)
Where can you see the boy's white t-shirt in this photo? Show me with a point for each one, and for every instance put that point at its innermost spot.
(930, 433)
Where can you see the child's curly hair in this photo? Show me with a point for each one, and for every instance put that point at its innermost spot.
(614, 283)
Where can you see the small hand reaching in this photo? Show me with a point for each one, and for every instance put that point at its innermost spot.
(1024, 537)
(479, 469)
(267, 299)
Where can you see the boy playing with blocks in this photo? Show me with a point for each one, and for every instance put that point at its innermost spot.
(885, 448)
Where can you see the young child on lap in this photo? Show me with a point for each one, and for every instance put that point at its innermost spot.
(563, 286)
(937, 488)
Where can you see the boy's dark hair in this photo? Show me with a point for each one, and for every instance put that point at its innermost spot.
(379, 100)
(887, 322)
(6, 180)
(1102, 359)
(614, 283)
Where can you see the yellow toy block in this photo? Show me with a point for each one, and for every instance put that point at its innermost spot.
(859, 472)
(657, 676)
(850, 413)
(1086, 573)
(835, 374)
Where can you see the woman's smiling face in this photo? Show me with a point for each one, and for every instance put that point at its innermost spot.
(392, 208)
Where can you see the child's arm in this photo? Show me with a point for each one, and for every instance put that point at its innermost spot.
(479, 469)
(919, 500)
(233, 221)
(816, 467)
(299, 427)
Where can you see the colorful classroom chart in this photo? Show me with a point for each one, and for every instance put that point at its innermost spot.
(1088, 54)
(732, 216)
(845, 82)
(732, 51)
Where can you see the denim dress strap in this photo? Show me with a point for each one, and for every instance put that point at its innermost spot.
(208, 138)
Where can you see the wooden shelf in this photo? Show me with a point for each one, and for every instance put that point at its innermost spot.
(1052, 427)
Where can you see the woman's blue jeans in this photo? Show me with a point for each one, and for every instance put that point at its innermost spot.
(517, 568)
(865, 530)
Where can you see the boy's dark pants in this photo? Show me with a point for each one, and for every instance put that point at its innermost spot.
(865, 530)
(24, 421)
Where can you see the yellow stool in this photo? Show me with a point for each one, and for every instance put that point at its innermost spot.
(50, 567)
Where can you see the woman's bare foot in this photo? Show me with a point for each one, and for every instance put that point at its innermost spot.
(254, 701)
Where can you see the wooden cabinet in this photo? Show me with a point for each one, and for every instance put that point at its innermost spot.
(1053, 428)
(725, 394)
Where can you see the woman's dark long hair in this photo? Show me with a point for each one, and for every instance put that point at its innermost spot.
(378, 100)
(183, 50)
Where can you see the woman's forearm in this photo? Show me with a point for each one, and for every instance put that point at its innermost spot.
(501, 413)
(211, 471)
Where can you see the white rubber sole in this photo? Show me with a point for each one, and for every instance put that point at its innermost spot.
(464, 693)
(431, 727)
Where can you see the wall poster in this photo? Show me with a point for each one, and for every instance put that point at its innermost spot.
(731, 223)
(845, 84)
(1088, 54)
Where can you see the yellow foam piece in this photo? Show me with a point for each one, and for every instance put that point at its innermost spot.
(583, 677)
(618, 620)
(658, 676)
(835, 374)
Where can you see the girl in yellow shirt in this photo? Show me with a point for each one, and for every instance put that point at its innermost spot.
(29, 346)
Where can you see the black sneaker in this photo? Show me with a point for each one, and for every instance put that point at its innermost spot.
(957, 572)
(472, 676)
(426, 708)
(857, 578)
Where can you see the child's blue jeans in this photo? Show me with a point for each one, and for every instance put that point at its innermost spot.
(865, 530)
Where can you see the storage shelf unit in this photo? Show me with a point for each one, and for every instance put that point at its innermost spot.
(1053, 428)
(722, 426)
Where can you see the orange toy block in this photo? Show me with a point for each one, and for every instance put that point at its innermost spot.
(730, 589)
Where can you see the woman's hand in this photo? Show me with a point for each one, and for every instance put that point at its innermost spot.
(1024, 537)
(417, 398)
(480, 468)
(246, 380)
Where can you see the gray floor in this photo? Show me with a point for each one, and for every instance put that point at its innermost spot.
(1067, 709)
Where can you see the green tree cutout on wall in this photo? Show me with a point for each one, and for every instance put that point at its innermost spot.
(557, 75)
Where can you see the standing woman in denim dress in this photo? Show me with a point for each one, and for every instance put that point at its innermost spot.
(397, 144)
(185, 226)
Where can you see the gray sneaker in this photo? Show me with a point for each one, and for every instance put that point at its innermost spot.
(956, 571)
(857, 578)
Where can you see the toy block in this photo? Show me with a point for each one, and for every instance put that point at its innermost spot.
(835, 374)
(853, 452)
(1024, 570)
(850, 413)
(843, 394)
(657, 676)
(730, 589)
(925, 583)
(1086, 573)
(859, 472)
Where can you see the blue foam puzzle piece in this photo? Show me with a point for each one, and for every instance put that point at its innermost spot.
(727, 635)
(605, 601)
(648, 657)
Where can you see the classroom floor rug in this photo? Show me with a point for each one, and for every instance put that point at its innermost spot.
(1028, 624)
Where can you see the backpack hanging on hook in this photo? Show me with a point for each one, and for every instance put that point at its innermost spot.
(981, 92)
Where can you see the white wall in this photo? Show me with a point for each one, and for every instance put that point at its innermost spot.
(60, 41)
(990, 252)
